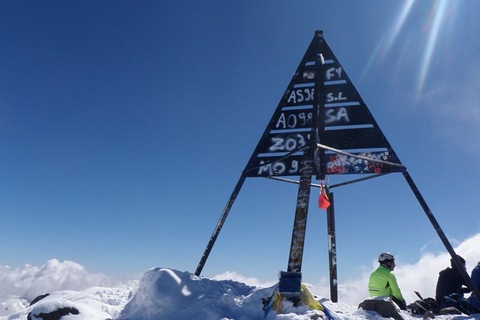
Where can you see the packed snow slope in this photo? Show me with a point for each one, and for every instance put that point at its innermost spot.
(170, 294)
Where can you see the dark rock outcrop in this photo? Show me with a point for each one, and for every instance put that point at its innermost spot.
(386, 308)
(38, 298)
(54, 315)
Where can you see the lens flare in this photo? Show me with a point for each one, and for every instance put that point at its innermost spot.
(438, 12)
(388, 39)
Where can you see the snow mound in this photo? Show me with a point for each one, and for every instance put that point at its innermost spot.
(170, 294)
(95, 303)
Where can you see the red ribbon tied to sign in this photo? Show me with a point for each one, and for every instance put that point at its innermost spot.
(323, 201)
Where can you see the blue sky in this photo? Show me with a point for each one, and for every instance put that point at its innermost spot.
(125, 126)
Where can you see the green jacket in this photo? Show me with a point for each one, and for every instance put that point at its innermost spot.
(382, 282)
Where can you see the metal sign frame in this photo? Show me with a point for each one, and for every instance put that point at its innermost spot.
(321, 127)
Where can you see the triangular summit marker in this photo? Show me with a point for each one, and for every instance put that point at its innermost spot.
(321, 105)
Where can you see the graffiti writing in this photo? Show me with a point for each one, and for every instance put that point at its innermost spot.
(296, 249)
(332, 248)
(333, 73)
(279, 168)
(302, 95)
(288, 142)
(332, 97)
(293, 120)
(335, 115)
(340, 164)
(298, 236)
(296, 119)
(310, 75)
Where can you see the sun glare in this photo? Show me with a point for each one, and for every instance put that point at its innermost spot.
(388, 39)
(433, 20)
(438, 14)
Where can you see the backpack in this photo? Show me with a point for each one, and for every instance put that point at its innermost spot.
(458, 301)
(424, 305)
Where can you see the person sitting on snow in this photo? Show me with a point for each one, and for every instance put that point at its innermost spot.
(382, 281)
(476, 281)
(450, 281)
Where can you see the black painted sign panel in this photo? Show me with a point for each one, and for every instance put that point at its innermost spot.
(344, 122)
(354, 139)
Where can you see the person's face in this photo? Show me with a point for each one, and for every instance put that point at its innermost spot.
(391, 264)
